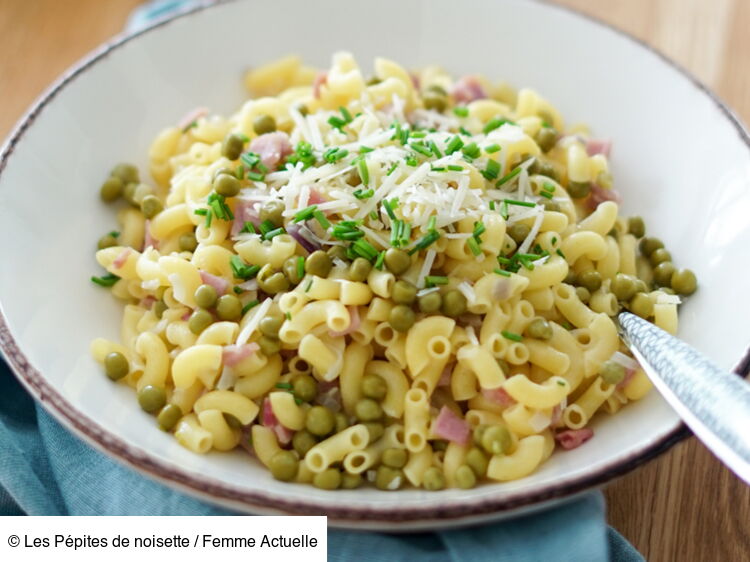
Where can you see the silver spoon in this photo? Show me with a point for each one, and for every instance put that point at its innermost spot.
(713, 402)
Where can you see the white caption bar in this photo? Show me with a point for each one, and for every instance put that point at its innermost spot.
(83, 539)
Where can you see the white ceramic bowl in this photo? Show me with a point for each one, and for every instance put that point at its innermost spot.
(680, 159)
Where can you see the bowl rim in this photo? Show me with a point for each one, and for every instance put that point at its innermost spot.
(265, 502)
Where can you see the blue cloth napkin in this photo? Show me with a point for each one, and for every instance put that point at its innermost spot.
(45, 470)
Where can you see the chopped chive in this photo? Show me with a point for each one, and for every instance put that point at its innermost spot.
(288, 315)
(511, 336)
(474, 246)
(432, 280)
(393, 168)
(209, 218)
(345, 112)
(335, 154)
(241, 270)
(364, 172)
(435, 150)
(464, 131)
(404, 136)
(424, 242)
(239, 173)
(284, 385)
(431, 223)
(238, 290)
(266, 226)
(504, 210)
(411, 160)
(547, 186)
(308, 285)
(492, 148)
(379, 261)
(471, 150)
(297, 400)
(509, 176)
(418, 134)
(248, 306)
(501, 272)
(495, 123)
(503, 260)
(365, 149)
(461, 111)
(437, 169)
(350, 235)
(559, 252)
(256, 176)
(492, 170)
(374, 215)
(479, 229)
(189, 126)
(248, 227)
(454, 144)
(492, 205)
(321, 218)
(201, 212)
(455, 168)
(422, 149)
(519, 203)
(405, 235)
(300, 267)
(364, 249)
(388, 209)
(337, 122)
(218, 210)
(546, 194)
(105, 280)
(114, 233)
(250, 160)
(396, 225)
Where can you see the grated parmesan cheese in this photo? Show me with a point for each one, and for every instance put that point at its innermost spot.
(252, 324)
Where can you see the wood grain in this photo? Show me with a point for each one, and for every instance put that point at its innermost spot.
(684, 505)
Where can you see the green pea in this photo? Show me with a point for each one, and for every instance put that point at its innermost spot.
(547, 169)
(128, 193)
(663, 273)
(273, 283)
(477, 461)
(375, 430)
(431, 302)
(291, 271)
(403, 292)
(373, 386)
(590, 279)
(106, 241)
(623, 287)
(546, 138)
(199, 320)
(264, 124)
(397, 261)
(583, 294)
(229, 307)
(152, 398)
(341, 422)
(303, 110)
(305, 387)
(454, 303)
(434, 100)
(465, 477)
(684, 282)
(387, 478)
(188, 242)
(320, 421)
(641, 305)
(659, 256)
(283, 466)
(496, 439)
(478, 433)
(401, 318)
(350, 481)
(368, 410)
(159, 308)
(437, 88)
(649, 245)
(518, 232)
(220, 171)
(272, 210)
(359, 269)
(329, 479)
(318, 263)
(111, 189)
(232, 421)
(303, 441)
(395, 458)
(433, 479)
(571, 278)
(337, 252)
(205, 296)
(270, 326)
(636, 227)
(151, 206)
(269, 346)
(611, 372)
(226, 185)
(578, 190)
(169, 416)
(126, 172)
(232, 146)
(116, 365)
(539, 329)
(640, 286)
(550, 205)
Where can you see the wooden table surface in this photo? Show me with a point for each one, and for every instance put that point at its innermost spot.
(683, 506)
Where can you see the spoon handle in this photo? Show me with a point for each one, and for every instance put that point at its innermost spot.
(713, 402)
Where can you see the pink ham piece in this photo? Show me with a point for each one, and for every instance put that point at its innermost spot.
(598, 146)
(283, 434)
(626, 379)
(449, 426)
(600, 195)
(499, 396)
(121, 258)
(233, 354)
(315, 198)
(244, 212)
(191, 116)
(572, 438)
(353, 323)
(186, 316)
(271, 148)
(468, 89)
(146, 302)
(149, 240)
(321, 78)
(220, 284)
